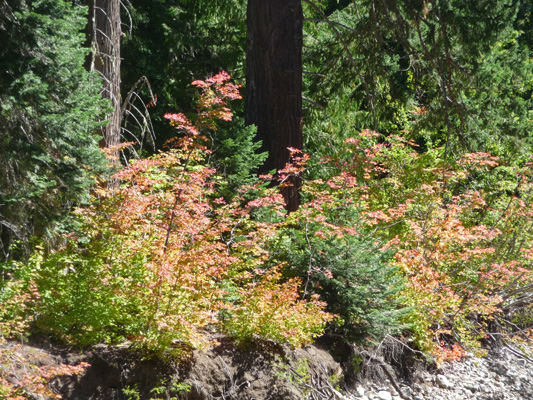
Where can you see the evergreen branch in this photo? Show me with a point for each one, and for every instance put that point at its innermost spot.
(351, 57)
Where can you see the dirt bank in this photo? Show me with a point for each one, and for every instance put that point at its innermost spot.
(266, 371)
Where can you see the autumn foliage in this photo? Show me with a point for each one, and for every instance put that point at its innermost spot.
(457, 230)
(20, 379)
(165, 262)
(392, 240)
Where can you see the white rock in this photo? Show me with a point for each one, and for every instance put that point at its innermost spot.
(384, 395)
(359, 391)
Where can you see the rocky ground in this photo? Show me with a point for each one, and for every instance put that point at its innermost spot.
(505, 374)
(266, 371)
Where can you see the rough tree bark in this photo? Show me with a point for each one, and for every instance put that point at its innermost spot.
(106, 60)
(274, 82)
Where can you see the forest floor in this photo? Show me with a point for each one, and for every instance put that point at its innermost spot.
(267, 371)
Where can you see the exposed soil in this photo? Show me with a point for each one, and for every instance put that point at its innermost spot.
(267, 371)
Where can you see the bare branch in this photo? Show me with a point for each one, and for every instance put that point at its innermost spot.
(313, 103)
(128, 104)
(125, 6)
(329, 22)
(107, 37)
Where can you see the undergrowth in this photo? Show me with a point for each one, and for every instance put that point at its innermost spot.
(392, 240)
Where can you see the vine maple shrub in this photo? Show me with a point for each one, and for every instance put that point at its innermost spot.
(164, 261)
(461, 237)
(20, 379)
(394, 240)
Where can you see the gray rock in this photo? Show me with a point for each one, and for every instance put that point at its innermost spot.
(472, 387)
(499, 368)
(407, 391)
(443, 382)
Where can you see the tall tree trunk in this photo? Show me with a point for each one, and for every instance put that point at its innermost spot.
(274, 82)
(106, 60)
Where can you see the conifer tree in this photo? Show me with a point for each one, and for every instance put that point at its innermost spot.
(49, 107)
(442, 71)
